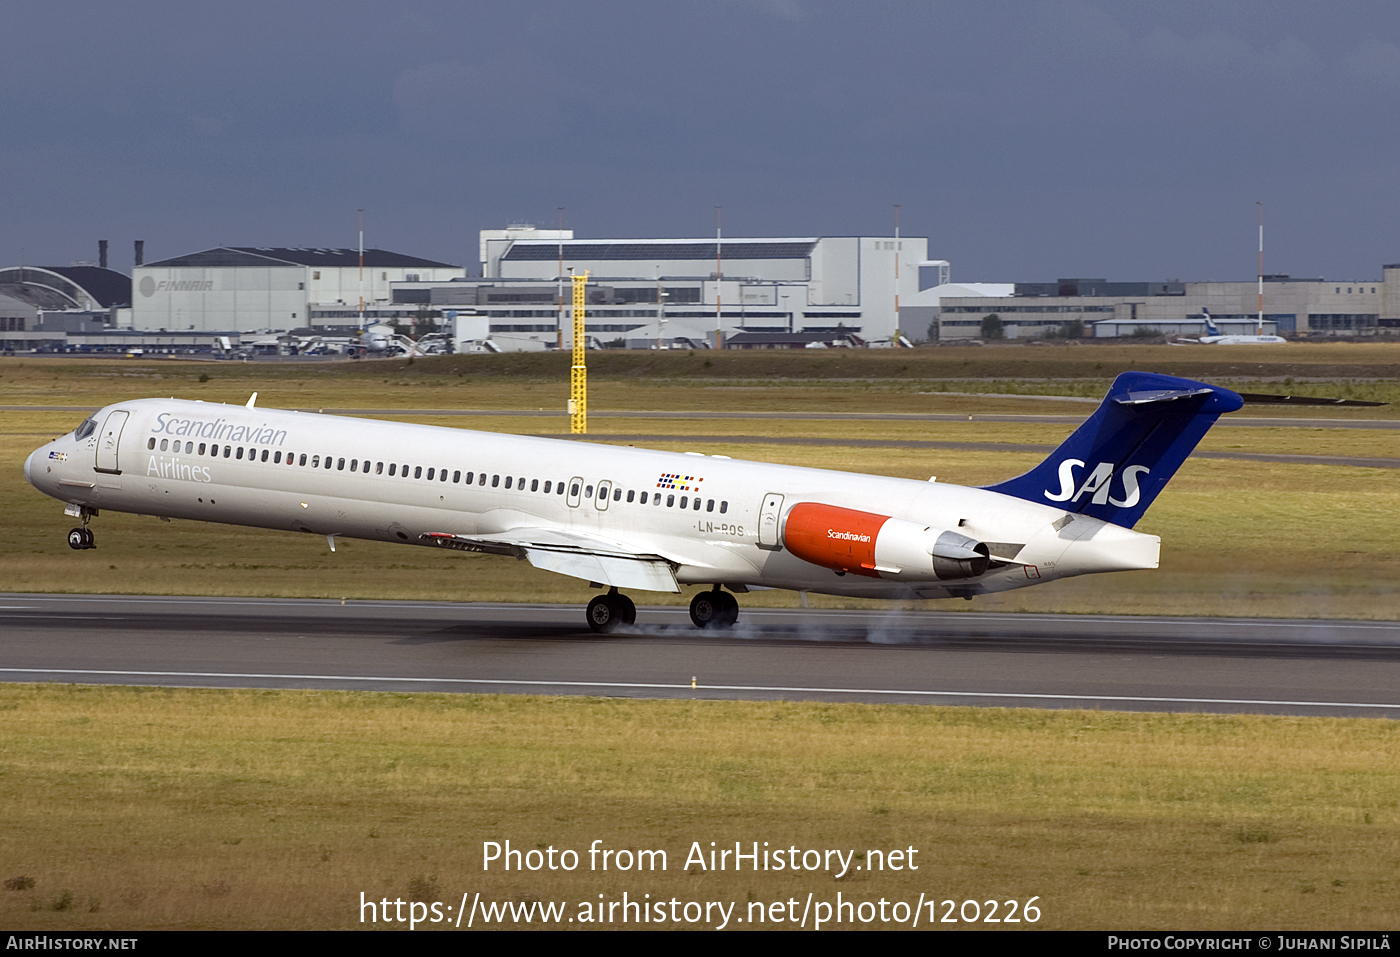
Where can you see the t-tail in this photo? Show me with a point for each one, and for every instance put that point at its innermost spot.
(1211, 328)
(1115, 464)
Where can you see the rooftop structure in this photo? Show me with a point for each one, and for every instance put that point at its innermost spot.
(66, 287)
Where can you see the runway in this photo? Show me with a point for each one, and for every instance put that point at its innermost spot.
(1302, 667)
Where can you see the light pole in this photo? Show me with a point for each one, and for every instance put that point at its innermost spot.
(719, 277)
(362, 272)
(1260, 330)
(559, 319)
(660, 312)
(896, 274)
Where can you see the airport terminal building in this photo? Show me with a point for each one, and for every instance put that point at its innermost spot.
(775, 292)
(1111, 310)
(641, 290)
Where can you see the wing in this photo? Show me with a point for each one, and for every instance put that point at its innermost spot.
(578, 554)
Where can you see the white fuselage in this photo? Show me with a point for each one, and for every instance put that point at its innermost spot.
(395, 482)
(1241, 340)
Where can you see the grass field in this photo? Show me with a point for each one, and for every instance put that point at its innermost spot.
(821, 380)
(1231, 530)
(203, 809)
(151, 808)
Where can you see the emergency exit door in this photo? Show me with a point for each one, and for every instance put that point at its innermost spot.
(768, 516)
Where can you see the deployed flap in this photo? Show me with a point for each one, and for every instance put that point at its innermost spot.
(568, 552)
(650, 575)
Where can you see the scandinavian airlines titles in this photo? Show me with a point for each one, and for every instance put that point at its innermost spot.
(847, 536)
(173, 468)
(220, 429)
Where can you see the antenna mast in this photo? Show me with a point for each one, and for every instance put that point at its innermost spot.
(362, 272)
(578, 374)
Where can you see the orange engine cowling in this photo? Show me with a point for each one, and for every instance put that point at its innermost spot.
(879, 546)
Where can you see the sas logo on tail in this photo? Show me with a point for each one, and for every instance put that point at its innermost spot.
(1097, 483)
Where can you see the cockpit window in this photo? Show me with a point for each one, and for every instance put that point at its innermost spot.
(88, 427)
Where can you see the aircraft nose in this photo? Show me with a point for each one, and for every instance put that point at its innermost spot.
(29, 467)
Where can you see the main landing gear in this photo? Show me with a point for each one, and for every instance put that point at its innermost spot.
(80, 538)
(714, 609)
(611, 611)
(709, 609)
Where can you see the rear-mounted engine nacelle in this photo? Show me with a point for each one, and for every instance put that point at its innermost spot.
(878, 546)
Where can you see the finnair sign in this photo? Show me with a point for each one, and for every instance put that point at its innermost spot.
(1097, 483)
(149, 286)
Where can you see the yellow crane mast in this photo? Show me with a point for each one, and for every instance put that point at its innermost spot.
(578, 377)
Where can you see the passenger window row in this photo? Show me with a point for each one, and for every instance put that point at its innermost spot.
(433, 474)
(687, 502)
(641, 498)
(304, 459)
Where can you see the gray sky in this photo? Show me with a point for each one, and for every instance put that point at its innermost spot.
(1028, 140)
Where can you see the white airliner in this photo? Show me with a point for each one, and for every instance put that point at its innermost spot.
(639, 519)
(1214, 337)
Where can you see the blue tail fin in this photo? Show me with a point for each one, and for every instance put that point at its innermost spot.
(1211, 329)
(1114, 465)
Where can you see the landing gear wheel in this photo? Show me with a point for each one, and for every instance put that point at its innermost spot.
(78, 538)
(729, 610)
(606, 613)
(714, 609)
(627, 609)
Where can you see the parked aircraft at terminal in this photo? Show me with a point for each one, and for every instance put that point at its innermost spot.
(1214, 337)
(625, 518)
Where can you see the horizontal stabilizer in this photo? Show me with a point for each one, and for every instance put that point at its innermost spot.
(1159, 395)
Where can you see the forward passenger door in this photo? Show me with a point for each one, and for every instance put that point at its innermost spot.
(108, 441)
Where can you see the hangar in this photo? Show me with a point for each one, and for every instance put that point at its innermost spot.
(654, 289)
(65, 287)
(257, 288)
(27, 291)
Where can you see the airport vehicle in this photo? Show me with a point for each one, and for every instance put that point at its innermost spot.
(643, 519)
(1214, 337)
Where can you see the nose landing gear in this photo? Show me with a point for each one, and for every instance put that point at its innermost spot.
(714, 609)
(81, 538)
(611, 611)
